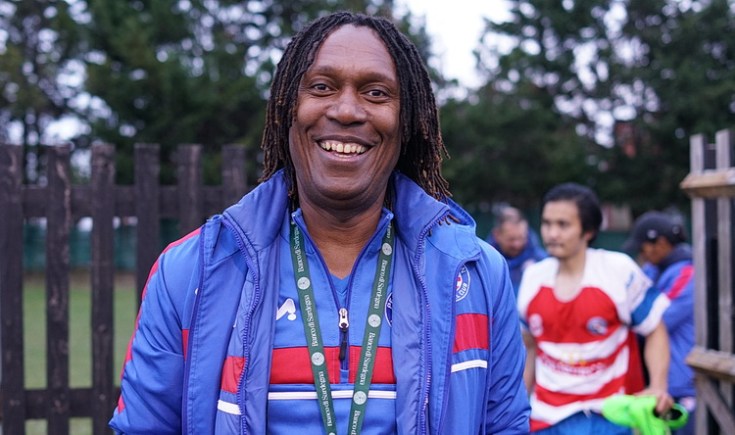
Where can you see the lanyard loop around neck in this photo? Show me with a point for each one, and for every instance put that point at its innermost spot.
(313, 334)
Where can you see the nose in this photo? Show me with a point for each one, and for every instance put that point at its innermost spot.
(548, 232)
(348, 108)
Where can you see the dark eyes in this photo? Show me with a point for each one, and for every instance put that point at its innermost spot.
(321, 87)
(377, 93)
(370, 93)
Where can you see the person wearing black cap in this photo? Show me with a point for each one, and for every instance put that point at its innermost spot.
(660, 241)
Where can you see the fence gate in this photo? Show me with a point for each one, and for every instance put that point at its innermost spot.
(711, 185)
(61, 204)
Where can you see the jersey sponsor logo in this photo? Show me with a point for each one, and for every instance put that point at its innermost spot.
(389, 309)
(535, 324)
(462, 285)
(597, 326)
(289, 308)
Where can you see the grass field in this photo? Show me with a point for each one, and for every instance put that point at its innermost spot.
(80, 339)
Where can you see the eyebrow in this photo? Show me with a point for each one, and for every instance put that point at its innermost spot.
(372, 75)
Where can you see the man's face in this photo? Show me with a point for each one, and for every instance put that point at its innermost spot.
(655, 251)
(345, 137)
(511, 238)
(561, 229)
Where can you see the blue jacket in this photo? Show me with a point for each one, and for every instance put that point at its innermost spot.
(674, 277)
(222, 274)
(533, 252)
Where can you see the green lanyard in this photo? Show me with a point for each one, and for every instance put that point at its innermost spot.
(314, 335)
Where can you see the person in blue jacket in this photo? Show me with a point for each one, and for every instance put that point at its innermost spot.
(347, 293)
(519, 244)
(660, 241)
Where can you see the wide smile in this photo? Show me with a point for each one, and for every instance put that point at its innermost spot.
(346, 148)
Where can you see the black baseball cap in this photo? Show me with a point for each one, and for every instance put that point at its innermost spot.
(652, 225)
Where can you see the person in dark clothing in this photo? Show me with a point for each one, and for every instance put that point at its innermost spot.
(513, 238)
(661, 243)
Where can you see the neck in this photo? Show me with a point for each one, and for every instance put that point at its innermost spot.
(573, 265)
(340, 237)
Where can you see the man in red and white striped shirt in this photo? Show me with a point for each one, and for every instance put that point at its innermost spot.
(578, 308)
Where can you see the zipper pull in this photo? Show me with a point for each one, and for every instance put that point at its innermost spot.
(344, 324)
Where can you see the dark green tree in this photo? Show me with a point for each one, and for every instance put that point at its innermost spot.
(635, 77)
(172, 72)
(680, 79)
(511, 140)
(141, 71)
(38, 64)
(510, 147)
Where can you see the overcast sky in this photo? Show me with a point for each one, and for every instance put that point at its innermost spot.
(455, 26)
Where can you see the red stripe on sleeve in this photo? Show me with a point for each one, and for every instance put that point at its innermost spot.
(685, 275)
(185, 341)
(154, 269)
(471, 332)
(231, 373)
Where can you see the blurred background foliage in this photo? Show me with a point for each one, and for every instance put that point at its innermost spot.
(603, 92)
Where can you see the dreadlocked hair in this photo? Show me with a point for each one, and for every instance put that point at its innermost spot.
(422, 147)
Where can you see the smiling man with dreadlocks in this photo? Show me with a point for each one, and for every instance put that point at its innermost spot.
(347, 293)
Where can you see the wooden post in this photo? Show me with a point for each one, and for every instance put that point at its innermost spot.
(58, 212)
(697, 144)
(147, 211)
(189, 186)
(11, 290)
(103, 272)
(234, 180)
(725, 258)
(711, 185)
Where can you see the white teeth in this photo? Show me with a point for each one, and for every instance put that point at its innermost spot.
(342, 148)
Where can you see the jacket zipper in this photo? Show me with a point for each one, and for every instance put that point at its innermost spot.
(192, 329)
(344, 324)
(343, 312)
(248, 323)
(424, 393)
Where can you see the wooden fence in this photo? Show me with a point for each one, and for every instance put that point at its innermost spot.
(62, 203)
(711, 185)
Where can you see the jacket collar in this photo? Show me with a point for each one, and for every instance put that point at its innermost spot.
(256, 215)
(681, 252)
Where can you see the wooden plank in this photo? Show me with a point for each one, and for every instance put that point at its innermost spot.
(697, 144)
(189, 182)
(34, 201)
(710, 184)
(726, 262)
(102, 275)
(79, 399)
(234, 177)
(58, 202)
(147, 212)
(710, 399)
(713, 363)
(13, 399)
